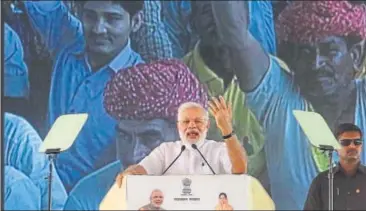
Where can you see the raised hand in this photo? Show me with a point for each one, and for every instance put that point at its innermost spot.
(222, 113)
(231, 19)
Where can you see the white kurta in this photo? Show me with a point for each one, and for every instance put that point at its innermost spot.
(190, 162)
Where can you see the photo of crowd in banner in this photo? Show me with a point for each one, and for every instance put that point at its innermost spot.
(130, 64)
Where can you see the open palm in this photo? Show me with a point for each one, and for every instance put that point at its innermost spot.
(222, 113)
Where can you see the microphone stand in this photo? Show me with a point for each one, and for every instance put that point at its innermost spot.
(329, 150)
(181, 151)
(51, 153)
(194, 146)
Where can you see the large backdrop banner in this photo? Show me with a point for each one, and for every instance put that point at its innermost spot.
(129, 64)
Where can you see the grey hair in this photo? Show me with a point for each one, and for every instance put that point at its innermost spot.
(188, 105)
(154, 191)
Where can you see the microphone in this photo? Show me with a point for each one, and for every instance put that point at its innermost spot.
(196, 148)
(181, 151)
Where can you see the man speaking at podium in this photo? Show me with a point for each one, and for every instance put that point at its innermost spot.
(193, 154)
(144, 99)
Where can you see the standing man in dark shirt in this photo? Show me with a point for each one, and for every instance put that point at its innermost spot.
(349, 175)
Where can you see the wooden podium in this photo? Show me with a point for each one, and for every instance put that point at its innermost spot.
(188, 192)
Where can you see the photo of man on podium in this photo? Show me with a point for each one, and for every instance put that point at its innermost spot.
(156, 200)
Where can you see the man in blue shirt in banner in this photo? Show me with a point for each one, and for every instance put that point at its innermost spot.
(87, 53)
(21, 151)
(144, 122)
(325, 52)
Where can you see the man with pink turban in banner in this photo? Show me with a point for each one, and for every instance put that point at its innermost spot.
(144, 99)
(325, 54)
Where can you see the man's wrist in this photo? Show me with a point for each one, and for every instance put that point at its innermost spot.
(226, 130)
(228, 135)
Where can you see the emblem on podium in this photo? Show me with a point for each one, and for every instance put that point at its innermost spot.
(186, 191)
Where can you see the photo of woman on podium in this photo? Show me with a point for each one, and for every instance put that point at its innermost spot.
(223, 203)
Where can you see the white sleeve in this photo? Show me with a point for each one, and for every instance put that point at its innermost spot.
(154, 162)
(225, 162)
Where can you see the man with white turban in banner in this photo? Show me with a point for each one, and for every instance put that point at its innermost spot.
(323, 47)
(144, 99)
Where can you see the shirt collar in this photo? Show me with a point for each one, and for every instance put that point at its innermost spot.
(360, 168)
(203, 72)
(189, 145)
(120, 61)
